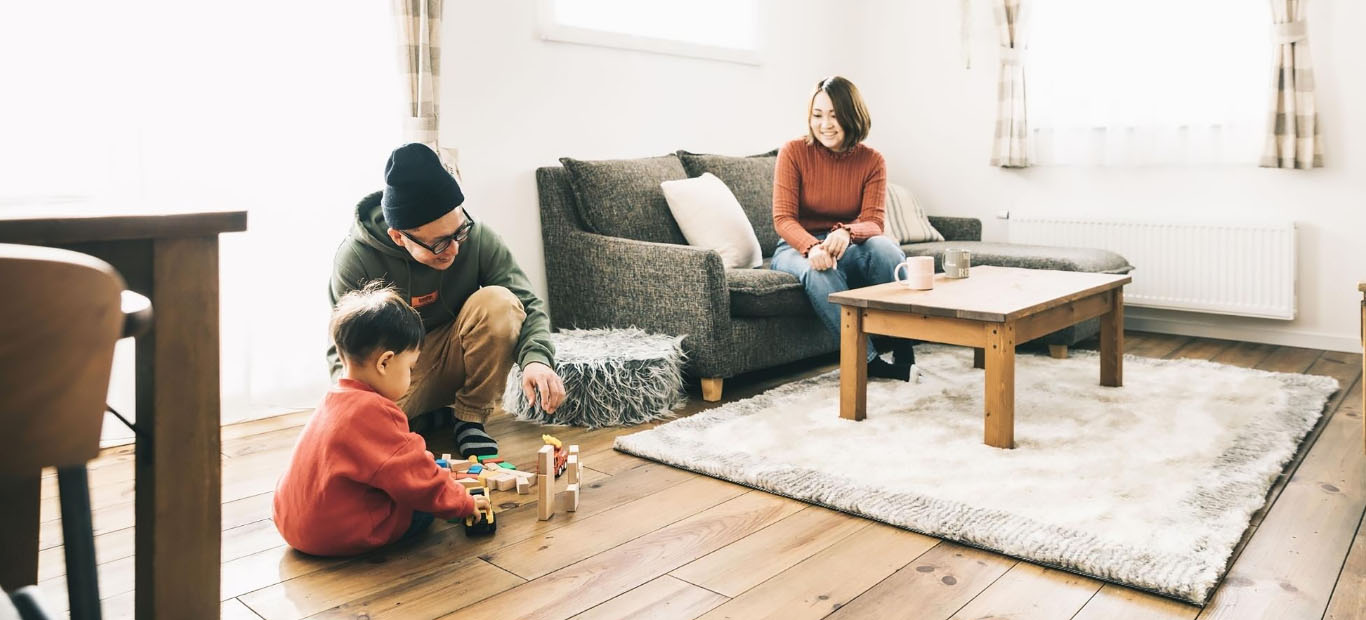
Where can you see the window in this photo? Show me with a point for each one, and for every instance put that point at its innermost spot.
(715, 29)
(1152, 82)
(245, 105)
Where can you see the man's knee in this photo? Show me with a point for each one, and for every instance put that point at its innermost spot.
(493, 309)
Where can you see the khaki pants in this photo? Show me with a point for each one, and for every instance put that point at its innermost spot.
(464, 364)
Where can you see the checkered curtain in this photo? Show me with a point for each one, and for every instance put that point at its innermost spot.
(1010, 149)
(419, 57)
(1292, 139)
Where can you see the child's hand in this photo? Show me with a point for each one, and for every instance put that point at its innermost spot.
(481, 503)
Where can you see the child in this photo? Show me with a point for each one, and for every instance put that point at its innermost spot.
(359, 479)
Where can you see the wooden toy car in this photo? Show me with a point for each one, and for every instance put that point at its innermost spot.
(481, 523)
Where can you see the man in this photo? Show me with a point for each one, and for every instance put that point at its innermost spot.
(477, 308)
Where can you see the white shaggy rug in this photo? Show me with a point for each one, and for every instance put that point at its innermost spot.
(1150, 485)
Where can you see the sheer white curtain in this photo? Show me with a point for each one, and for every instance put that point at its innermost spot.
(1148, 82)
(285, 109)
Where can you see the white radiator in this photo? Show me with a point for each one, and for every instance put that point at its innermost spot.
(1225, 268)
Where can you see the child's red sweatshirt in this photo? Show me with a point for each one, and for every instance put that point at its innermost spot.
(357, 475)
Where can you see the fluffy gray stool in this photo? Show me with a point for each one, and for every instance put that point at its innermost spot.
(612, 377)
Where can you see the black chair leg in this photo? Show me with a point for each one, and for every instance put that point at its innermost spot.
(78, 538)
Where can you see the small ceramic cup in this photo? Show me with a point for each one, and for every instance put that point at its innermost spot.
(919, 273)
(956, 263)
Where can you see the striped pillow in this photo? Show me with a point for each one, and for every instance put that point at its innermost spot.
(905, 219)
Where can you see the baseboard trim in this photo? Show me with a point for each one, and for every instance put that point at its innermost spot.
(1201, 329)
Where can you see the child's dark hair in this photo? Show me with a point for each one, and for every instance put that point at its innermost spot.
(374, 318)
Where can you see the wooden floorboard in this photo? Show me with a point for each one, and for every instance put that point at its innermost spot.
(654, 541)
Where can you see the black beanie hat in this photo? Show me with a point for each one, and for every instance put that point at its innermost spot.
(417, 188)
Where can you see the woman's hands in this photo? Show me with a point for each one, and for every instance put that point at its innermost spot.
(820, 259)
(825, 254)
(836, 243)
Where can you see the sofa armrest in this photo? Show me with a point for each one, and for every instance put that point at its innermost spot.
(601, 281)
(957, 228)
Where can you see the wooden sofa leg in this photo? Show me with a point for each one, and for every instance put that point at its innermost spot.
(711, 389)
(1058, 351)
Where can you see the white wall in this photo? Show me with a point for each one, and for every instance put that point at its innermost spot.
(512, 102)
(933, 119)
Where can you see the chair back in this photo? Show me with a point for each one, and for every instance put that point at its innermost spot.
(59, 320)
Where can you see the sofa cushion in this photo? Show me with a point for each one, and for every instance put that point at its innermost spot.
(906, 220)
(622, 198)
(751, 180)
(1027, 256)
(710, 217)
(761, 292)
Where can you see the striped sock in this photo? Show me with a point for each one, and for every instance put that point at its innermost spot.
(473, 441)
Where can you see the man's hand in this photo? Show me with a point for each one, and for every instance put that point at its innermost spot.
(836, 243)
(539, 379)
(820, 259)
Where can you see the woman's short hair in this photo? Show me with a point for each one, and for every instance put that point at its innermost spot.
(850, 111)
(374, 318)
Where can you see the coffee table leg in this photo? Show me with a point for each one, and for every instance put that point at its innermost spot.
(853, 364)
(1112, 341)
(1000, 385)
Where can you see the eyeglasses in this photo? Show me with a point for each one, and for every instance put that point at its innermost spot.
(442, 244)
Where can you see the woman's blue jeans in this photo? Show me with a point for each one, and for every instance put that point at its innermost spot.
(863, 264)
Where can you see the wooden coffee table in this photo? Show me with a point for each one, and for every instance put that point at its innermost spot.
(991, 311)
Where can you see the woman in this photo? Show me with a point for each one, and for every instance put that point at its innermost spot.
(829, 191)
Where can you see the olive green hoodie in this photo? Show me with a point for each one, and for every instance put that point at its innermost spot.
(368, 254)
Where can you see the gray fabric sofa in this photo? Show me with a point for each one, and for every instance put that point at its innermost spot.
(614, 257)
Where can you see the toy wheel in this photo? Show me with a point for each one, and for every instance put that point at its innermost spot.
(482, 528)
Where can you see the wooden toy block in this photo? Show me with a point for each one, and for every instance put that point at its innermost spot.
(446, 456)
(573, 469)
(474, 469)
(523, 486)
(506, 465)
(573, 449)
(443, 464)
(463, 475)
(468, 483)
(545, 477)
(459, 465)
(488, 460)
(503, 482)
(571, 493)
(545, 460)
(545, 499)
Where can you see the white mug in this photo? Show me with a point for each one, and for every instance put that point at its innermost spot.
(919, 273)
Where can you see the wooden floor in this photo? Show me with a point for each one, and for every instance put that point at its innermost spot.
(653, 541)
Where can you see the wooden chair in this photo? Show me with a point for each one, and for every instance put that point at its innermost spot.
(59, 320)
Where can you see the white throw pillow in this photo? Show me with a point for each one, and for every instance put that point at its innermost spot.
(905, 220)
(710, 217)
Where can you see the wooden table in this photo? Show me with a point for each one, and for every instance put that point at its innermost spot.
(990, 311)
(172, 258)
